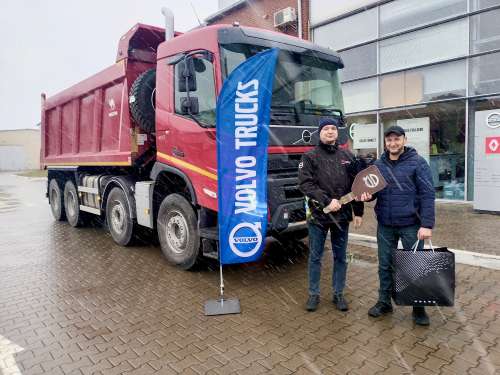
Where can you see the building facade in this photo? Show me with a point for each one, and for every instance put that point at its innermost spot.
(260, 13)
(432, 67)
(19, 149)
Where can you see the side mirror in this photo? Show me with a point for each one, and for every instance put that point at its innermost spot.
(190, 105)
(187, 75)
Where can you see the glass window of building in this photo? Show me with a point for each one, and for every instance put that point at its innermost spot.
(406, 14)
(425, 46)
(360, 95)
(363, 136)
(482, 4)
(485, 74)
(437, 82)
(437, 132)
(485, 31)
(359, 62)
(346, 32)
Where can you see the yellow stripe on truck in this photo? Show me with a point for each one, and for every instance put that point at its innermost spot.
(189, 166)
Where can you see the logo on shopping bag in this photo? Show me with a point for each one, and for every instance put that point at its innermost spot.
(371, 181)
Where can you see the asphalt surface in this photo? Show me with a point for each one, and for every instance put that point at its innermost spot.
(74, 302)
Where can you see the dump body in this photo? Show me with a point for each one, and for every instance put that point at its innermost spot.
(90, 123)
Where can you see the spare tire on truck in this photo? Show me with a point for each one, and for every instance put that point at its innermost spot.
(142, 100)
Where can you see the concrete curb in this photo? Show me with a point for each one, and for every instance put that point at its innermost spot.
(461, 256)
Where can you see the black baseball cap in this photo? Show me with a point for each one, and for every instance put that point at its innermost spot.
(395, 129)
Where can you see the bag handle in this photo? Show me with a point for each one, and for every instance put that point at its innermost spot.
(415, 245)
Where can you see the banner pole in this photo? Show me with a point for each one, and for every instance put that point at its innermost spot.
(221, 283)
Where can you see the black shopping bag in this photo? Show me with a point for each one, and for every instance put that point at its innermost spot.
(424, 277)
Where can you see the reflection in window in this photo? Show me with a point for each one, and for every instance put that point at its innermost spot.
(438, 82)
(205, 91)
(482, 4)
(360, 95)
(485, 31)
(437, 132)
(359, 62)
(485, 74)
(402, 15)
(346, 32)
(425, 46)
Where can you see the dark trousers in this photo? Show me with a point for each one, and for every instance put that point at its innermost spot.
(317, 238)
(387, 239)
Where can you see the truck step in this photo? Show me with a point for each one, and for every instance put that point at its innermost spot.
(211, 233)
(209, 248)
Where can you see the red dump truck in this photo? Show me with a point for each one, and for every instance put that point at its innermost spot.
(136, 145)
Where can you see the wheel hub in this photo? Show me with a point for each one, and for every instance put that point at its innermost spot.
(118, 217)
(177, 232)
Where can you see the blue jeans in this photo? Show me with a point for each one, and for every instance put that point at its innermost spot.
(317, 238)
(387, 240)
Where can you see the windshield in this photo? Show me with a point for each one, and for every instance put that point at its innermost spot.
(303, 84)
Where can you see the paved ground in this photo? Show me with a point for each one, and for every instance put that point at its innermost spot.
(72, 302)
(457, 227)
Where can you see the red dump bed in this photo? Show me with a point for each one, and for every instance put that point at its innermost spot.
(90, 123)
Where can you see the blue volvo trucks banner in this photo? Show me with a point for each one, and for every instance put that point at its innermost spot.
(243, 115)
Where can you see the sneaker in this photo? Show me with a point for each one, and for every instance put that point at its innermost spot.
(312, 302)
(380, 308)
(340, 302)
(420, 317)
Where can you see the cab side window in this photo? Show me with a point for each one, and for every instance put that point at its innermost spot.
(201, 89)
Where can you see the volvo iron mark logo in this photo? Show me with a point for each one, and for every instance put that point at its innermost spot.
(245, 239)
(493, 120)
(371, 181)
(306, 136)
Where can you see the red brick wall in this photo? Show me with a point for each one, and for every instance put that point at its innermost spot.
(260, 13)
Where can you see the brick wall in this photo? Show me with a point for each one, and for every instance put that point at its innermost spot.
(260, 13)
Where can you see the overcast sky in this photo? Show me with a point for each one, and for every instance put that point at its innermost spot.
(50, 45)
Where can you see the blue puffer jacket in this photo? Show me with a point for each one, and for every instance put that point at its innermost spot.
(409, 196)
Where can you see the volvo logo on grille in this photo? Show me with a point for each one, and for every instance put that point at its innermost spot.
(306, 136)
(371, 181)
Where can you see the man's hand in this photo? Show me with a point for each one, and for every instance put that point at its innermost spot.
(364, 197)
(358, 220)
(424, 233)
(334, 205)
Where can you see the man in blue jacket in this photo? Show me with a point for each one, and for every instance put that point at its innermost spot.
(404, 209)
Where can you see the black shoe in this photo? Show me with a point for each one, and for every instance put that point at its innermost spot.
(312, 303)
(420, 317)
(340, 302)
(380, 308)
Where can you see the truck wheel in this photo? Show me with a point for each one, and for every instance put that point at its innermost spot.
(76, 218)
(120, 224)
(142, 100)
(178, 231)
(56, 201)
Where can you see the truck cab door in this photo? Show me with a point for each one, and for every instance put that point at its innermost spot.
(188, 129)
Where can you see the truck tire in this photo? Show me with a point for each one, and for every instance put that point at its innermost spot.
(76, 218)
(56, 201)
(142, 100)
(120, 224)
(178, 231)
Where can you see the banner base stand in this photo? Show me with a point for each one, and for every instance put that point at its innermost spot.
(222, 306)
